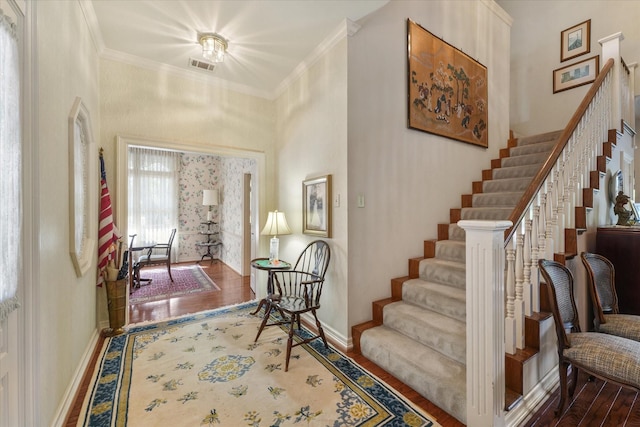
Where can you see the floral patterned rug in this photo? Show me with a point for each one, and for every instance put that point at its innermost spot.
(206, 370)
(187, 279)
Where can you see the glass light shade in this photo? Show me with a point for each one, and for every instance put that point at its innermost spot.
(213, 47)
(276, 224)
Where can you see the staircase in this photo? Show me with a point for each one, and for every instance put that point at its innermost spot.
(419, 334)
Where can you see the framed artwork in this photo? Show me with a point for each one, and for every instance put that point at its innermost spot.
(575, 41)
(316, 206)
(447, 90)
(574, 75)
(82, 245)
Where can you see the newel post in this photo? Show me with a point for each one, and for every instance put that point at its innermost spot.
(485, 274)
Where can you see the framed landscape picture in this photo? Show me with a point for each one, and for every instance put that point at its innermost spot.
(316, 206)
(447, 90)
(574, 75)
(575, 41)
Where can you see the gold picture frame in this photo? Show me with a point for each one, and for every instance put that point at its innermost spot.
(574, 75)
(575, 41)
(316, 206)
(447, 89)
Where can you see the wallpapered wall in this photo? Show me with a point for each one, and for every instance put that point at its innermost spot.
(197, 172)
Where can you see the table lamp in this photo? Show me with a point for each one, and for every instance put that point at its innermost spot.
(276, 225)
(210, 198)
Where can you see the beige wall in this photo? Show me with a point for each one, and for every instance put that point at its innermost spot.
(410, 179)
(65, 306)
(534, 106)
(312, 142)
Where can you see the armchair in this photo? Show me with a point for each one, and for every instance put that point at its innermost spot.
(608, 357)
(602, 288)
(298, 291)
(155, 258)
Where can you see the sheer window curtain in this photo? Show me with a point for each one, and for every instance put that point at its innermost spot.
(153, 196)
(10, 168)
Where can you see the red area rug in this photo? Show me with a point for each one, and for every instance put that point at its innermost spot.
(187, 279)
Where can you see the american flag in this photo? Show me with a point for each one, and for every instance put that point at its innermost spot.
(106, 233)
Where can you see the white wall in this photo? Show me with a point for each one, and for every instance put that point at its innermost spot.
(312, 141)
(67, 66)
(535, 53)
(410, 179)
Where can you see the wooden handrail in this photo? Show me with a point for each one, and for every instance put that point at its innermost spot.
(535, 185)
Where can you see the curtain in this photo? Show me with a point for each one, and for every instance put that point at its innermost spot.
(10, 168)
(153, 196)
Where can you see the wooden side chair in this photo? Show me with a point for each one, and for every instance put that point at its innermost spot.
(158, 254)
(602, 288)
(608, 357)
(297, 291)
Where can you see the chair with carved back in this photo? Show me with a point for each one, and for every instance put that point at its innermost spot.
(297, 291)
(607, 357)
(602, 288)
(158, 254)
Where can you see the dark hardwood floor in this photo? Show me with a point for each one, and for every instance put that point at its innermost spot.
(595, 404)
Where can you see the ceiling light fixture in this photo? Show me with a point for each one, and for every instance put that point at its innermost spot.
(214, 46)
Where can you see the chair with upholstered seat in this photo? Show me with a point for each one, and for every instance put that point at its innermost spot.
(158, 254)
(297, 291)
(607, 316)
(608, 357)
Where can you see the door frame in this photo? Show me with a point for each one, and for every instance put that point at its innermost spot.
(124, 141)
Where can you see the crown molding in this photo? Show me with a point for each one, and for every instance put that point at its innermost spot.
(346, 28)
(92, 22)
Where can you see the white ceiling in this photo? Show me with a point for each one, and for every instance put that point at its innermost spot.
(268, 39)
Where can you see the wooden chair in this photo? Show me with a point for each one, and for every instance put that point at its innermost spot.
(297, 291)
(602, 287)
(152, 257)
(608, 357)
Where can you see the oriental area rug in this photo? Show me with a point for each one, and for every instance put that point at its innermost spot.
(187, 279)
(205, 370)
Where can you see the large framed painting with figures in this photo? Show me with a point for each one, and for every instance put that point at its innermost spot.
(447, 91)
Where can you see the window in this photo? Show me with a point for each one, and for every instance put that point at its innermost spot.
(153, 195)
(10, 168)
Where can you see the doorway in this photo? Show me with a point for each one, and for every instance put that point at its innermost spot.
(238, 245)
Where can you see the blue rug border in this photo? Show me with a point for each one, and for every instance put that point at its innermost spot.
(106, 395)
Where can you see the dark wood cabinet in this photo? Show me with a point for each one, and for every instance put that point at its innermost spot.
(621, 245)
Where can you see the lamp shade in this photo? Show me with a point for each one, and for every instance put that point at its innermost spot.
(276, 224)
(210, 197)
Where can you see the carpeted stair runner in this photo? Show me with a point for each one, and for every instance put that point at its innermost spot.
(422, 340)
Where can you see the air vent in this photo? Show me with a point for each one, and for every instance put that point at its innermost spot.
(201, 65)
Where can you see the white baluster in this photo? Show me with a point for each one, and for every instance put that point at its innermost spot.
(510, 286)
(519, 303)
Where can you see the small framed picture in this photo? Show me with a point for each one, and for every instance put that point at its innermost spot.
(574, 75)
(575, 41)
(316, 206)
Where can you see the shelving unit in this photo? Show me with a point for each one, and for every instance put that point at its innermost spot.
(213, 241)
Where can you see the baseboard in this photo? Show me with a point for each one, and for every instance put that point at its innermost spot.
(336, 339)
(533, 401)
(70, 393)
